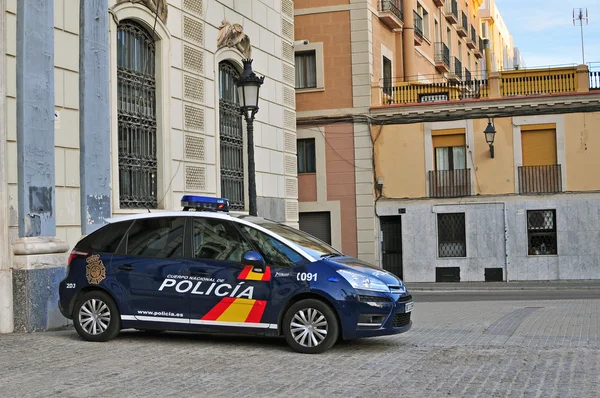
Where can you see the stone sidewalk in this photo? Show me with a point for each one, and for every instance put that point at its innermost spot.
(455, 349)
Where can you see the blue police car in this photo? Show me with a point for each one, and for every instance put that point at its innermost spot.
(204, 270)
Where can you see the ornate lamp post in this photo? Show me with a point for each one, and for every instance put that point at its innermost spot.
(248, 86)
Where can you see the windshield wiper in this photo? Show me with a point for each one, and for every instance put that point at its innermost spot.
(329, 255)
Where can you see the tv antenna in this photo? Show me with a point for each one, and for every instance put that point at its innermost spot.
(580, 16)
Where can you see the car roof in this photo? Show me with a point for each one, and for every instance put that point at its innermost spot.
(180, 213)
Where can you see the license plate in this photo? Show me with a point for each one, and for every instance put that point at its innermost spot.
(408, 307)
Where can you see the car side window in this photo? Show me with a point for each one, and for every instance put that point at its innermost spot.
(156, 237)
(219, 240)
(275, 252)
(106, 239)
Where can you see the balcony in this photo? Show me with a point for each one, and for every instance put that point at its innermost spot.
(442, 57)
(449, 183)
(439, 3)
(391, 14)
(472, 40)
(418, 28)
(594, 82)
(479, 52)
(447, 83)
(540, 179)
(463, 27)
(451, 11)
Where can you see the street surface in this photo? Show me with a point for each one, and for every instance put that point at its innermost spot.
(531, 348)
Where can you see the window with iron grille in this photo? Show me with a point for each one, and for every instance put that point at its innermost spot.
(451, 235)
(306, 156)
(231, 137)
(136, 112)
(541, 232)
(306, 69)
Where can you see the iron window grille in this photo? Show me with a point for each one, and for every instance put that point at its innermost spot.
(136, 113)
(306, 69)
(451, 235)
(306, 156)
(541, 232)
(231, 138)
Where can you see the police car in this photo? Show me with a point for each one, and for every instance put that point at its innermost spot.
(204, 270)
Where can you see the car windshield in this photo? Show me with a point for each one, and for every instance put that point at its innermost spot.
(310, 244)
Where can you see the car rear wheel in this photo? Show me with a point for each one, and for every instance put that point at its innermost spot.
(310, 327)
(96, 317)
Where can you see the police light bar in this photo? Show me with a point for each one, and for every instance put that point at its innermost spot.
(204, 203)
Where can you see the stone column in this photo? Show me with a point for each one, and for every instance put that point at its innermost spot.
(6, 314)
(40, 258)
(94, 114)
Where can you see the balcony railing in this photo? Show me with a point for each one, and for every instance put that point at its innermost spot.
(442, 53)
(449, 183)
(523, 83)
(457, 68)
(418, 25)
(463, 28)
(540, 179)
(594, 80)
(394, 6)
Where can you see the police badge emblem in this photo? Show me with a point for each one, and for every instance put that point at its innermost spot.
(95, 271)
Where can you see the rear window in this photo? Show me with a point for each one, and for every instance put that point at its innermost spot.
(106, 239)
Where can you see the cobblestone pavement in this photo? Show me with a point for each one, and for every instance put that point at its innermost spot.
(455, 349)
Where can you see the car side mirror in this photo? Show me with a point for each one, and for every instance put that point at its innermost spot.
(254, 259)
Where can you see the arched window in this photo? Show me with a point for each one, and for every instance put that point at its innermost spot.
(231, 137)
(136, 106)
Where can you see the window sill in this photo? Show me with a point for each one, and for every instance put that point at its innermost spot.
(307, 174)
(542, 255)
(309, 90)
(452, 258)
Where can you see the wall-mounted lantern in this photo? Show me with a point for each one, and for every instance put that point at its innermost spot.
(490, 134)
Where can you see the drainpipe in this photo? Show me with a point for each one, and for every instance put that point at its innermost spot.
(488, 57)
(408, 35)
(504, 211)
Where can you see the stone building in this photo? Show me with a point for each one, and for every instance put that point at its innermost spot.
(114, 107)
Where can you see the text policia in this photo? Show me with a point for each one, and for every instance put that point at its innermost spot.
(207, 288)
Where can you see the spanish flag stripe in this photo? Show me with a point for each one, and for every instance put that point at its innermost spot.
(218, 309)
(257, 311)
(245, 272)
(254, 276)
(267, 275)
(238, 311)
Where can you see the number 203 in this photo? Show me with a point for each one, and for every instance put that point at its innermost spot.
(306, 277)
(70, 286)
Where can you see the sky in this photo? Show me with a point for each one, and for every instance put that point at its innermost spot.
(544, 32)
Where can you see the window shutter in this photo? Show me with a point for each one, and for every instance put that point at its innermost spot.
(317, 224)
(539, 147)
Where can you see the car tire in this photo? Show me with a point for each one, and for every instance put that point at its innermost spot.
(96, 317)
(310, 327)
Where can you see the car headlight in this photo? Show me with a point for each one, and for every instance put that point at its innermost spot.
(362, 281)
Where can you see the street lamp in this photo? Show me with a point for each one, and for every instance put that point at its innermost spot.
(490, 133)
(248, 86)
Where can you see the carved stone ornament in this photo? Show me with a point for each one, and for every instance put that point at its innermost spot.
(232, 35)
(151, 5)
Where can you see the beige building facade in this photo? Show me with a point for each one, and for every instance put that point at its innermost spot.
(193, 140)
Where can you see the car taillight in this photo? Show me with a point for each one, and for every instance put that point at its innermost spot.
(76, 253)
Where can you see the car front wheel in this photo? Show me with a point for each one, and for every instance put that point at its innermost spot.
(310, 327)
(96, 317)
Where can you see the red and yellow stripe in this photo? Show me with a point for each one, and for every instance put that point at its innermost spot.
(248, 274)
(237, 310)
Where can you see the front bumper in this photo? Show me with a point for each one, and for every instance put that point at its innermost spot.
(379, 315)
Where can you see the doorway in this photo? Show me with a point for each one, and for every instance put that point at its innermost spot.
(391, 244)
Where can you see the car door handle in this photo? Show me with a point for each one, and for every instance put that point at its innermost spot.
(199, 272)
(126, 267)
